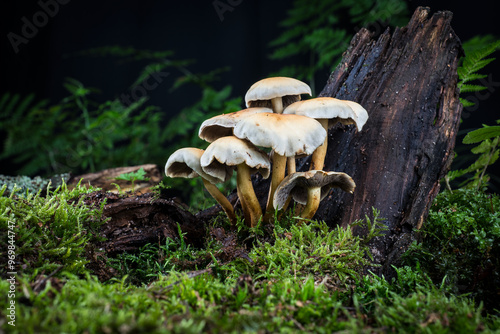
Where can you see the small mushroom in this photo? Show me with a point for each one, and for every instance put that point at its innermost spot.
(310, 188)
(328, 111)
(185, 163)
(276, 93)
(287, 135)
(248, 159)
(222, 125)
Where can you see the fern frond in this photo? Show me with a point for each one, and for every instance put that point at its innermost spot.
(466, 103)
(472, 63)
(479, 135)
(465, 88)
(469, 76)
(477, 43)
(475, 61)
(14, 108)
(316, 28)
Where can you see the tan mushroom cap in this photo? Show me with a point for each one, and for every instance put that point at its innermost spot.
(335, 110)
(287, 135)
(185, 162)
(269, 88)
(297, 184)
(222, 125)
(232, 151)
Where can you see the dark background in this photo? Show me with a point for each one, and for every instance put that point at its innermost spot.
(194, 31)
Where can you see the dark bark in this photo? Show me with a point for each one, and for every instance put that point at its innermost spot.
(136, 221)
(407, 81)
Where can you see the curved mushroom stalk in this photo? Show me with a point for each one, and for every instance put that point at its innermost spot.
(312, 205)
(185, 163)
(310, 188)
(234, 152)
(221, 199)
(291, 165)
(318, 157)
(290, 169)
(249, 202)
(277, 175)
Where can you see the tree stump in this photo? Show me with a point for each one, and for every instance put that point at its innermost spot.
(407, 81)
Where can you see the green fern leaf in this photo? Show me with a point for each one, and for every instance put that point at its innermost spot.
(471, 88)
(470, 76)
(476, 60)
(466, 103)
(473, 65)
(484, 133)
(312, 29)
(477, 43)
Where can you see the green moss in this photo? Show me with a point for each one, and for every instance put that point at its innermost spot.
(48, 233)
(301, 278)
(460, 243)
(307, 250)
(154, 260)
(179, 304)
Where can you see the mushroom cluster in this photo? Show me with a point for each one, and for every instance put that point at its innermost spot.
(276, 119)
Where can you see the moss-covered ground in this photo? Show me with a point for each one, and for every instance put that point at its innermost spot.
(293, 278)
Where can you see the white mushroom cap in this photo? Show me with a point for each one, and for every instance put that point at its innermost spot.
(222, 125)
(287, 135)
(296, 184)
(346, 112)
(232, 151)
(185, 163)
(270, 88)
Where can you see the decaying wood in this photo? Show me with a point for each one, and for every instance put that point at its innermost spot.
(104, 179)
(407, 81)
(136, 221)
(140, 220)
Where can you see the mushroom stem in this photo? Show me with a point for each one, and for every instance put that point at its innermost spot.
(221, 199)
(249, 202)
(318, 157)
(290, 164)
(278, 174)
(277, 104)
(291, 168)
(313, 199)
